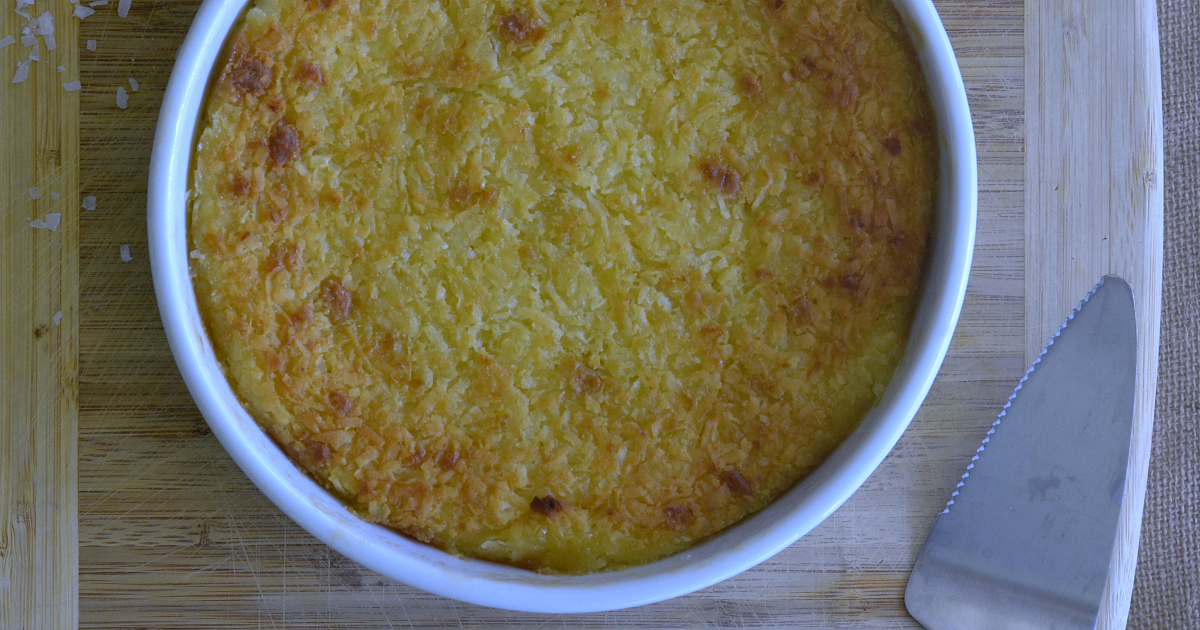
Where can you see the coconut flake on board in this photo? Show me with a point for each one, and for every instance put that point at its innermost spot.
(133, 84)
(83, 12)
(123, 8)
(6, 41)
(125, 255)
(44, 26)
(52, 221)
(58, 318)
(91, 45)
(73, 86)
(35, 193)
(54, 195)
(22, 71)
(89, 203)
(122, 98)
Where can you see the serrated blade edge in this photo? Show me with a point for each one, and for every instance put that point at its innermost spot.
(1021, 383)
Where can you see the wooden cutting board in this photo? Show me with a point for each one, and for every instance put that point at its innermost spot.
(166, 531)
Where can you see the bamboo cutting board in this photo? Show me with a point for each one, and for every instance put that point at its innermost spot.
(1066, 102)
(39, 168)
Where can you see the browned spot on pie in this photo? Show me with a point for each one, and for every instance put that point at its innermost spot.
(528, 253)
(547, 505)
(807, 66)
(677, 515)
(310, 75)
(283, 256)
(800, 311)
(318, 452)
(849, 282)
(520, 27)
(736, 483)
(284, 143)
(726, 180)
(465, 196)
(750, 85)
(447, 460)
(241, 185)
(301, 315)
(249, 76)
(460, 194)
(340, 403)
(585, 380)
(892, 145)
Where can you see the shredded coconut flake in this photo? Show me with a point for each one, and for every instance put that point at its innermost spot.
(62, 68)
(123, 8)
(89, 202)
(54, 196)
(122, 98)
(133, 84)
(58, 318)
(125, 255)
(22, 71)
(91, 45)
(73, 86)
(51, 223)
(44, 26)
(33, 54)
(82, 12)
(35, 193)
(27, 37)
(6, 41)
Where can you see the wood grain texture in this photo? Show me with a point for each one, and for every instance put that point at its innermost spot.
(172, 533)
(39, 144)
(1094, 198)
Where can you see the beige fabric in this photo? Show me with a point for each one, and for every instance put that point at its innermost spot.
(1166, 591)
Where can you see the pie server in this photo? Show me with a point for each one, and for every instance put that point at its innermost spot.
(1027, 536)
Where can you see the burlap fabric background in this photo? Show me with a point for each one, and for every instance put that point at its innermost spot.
(1166, 592)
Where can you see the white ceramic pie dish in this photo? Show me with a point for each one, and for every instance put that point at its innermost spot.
(733, 551)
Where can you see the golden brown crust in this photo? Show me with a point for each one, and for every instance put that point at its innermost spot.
(568, 286)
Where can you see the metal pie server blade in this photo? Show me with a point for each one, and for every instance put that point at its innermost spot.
(1026, 538)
